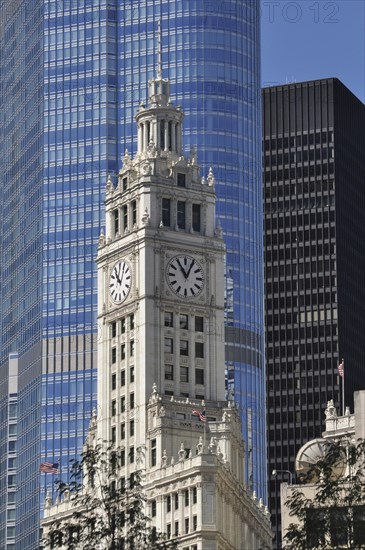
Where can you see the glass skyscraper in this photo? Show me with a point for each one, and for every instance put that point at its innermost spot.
(73, 73)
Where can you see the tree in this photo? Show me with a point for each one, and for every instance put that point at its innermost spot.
(107, 511)
(329, 509)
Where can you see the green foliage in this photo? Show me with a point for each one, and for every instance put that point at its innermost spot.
(108, 511)
(335, 517)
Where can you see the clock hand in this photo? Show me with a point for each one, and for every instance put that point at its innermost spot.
(117, 276)
(182, 269)
(190, 268)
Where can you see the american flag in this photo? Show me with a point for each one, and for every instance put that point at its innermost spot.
(341, 368)
(49, 467)
(201, 415)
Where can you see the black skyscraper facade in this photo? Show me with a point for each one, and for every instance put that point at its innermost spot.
(314, 185)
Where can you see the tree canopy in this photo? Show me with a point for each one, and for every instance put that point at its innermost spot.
(332, 515)
(108, 511)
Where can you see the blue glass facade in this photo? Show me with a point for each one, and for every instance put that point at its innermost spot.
(21, 100)
(78, 71)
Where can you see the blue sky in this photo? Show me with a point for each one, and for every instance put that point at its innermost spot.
(311, 39)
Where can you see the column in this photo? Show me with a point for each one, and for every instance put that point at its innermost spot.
(145, 137)
(140, 138)
(154, 131)
(173, 136)
(189, 219)
(158, 130)
(181, 512)
(166, 135)
(203, 221)
(109, 225)
(178, 139)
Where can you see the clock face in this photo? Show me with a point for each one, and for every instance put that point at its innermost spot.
(120, 281)
(185, 276)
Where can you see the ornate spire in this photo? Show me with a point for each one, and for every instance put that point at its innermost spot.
(159, 88)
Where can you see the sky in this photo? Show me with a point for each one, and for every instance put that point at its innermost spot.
(312, 39)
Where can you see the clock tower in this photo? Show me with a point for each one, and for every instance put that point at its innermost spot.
(161, 277)
(161, 347)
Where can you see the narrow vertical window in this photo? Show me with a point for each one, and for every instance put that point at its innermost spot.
(196, 218)
(169, 345)
(199, 376)
(125, 217)
(162, 134)
(134, 213)
(181, 208)
(153, 452)
(131, 455)
(199, 324)
(199, 349)
(181, 180)
(170, 135)
(169, 319)
(166, 212)
(116, 221)
(131, 321)
(169, 372)
(184, 321)
(122, 404)
(125, 184)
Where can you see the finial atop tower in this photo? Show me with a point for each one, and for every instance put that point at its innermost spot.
(159, 51)
(159, 88)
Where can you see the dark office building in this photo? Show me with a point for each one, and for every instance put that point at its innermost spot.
(314, 178)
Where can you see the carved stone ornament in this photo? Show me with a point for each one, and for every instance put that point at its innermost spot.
(145, 218)
(126, 160)
(164, 459)
(102, 239)
(109, 185)
(151, 149)
(211, 178)
(193, 155)
(182, 452)
(330, 412)
(146, 168)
